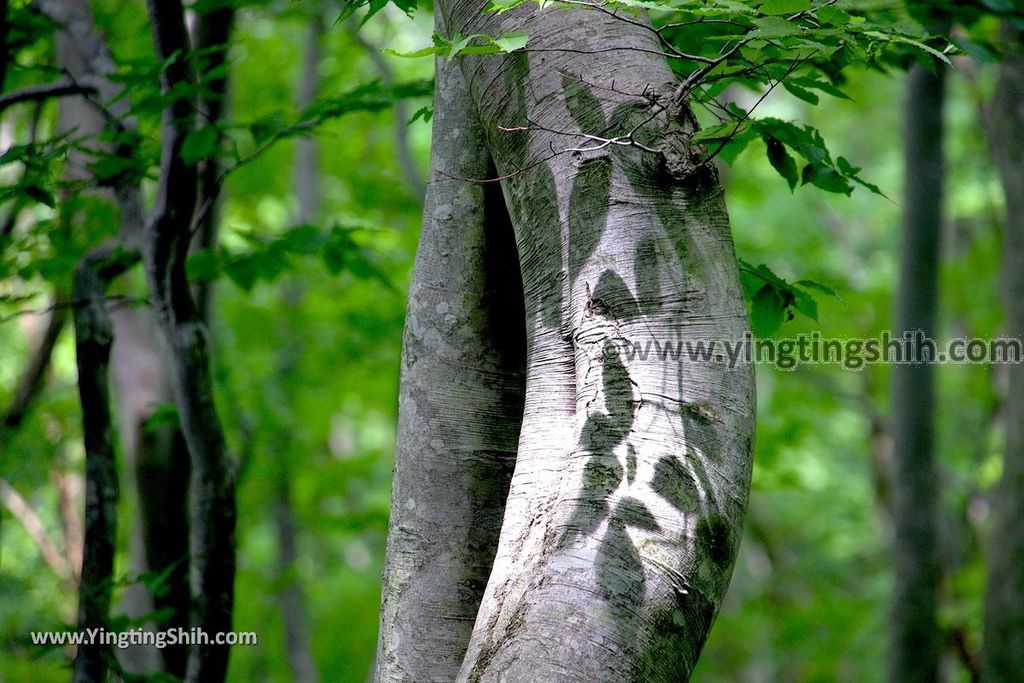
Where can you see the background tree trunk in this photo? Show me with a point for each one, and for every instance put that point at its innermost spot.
(1003, 650)
(155, 456)
(294, 614)
(916, 641)
(168, 236)
(460, 404)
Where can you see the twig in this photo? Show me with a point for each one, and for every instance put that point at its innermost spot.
(118, 300)
(38, 93)
(32, 379)
(33, 524)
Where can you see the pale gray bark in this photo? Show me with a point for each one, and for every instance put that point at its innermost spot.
(631, 478)
(916, 640)
(460, 404)
(1003, 651)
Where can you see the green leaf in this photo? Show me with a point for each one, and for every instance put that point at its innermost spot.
(302, 239)
(805, 95)
(199, 144)
(203, 265)
(853, 173)
(775, 27)
(826, 178)
(510, 42)
(736, 144)
(807, 82)
(830, 14)
(805, 303)
(266, 127)
(784, 6)
(336, 250)
(781, 161)
(426, 113)
(896, 38)
(499, 6)
(422, 52)
(375, 6)
(768, 311)
(811, 284)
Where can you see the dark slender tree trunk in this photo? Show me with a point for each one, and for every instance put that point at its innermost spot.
(1003, 651)
(916, 641)
(212, 39)
(166, 249)
(156, 455)
(93, 338)
(82, 54)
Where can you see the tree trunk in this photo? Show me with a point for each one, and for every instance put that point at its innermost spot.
(93, 337)
(156, 456)
(159, 463)
(1003, 651)
(83, 54)
(916, 641)
(460, 404)
(167, 241)
(625, 508)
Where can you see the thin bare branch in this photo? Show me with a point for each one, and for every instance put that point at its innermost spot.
(38, 93)
(36, 529)
(33, 378)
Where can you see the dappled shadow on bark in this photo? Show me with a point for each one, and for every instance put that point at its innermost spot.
(668, 640)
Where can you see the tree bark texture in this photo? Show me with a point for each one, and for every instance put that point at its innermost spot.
(625, 507)
(916, 641)
(93, 338)
(460, 404)
(1002, 658)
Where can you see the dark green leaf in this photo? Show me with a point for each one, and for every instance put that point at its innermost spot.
(781, 161)
(767, 311)
(199, 144)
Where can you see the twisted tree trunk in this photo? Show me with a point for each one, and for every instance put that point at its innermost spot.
(460, 404)
(625, 507)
